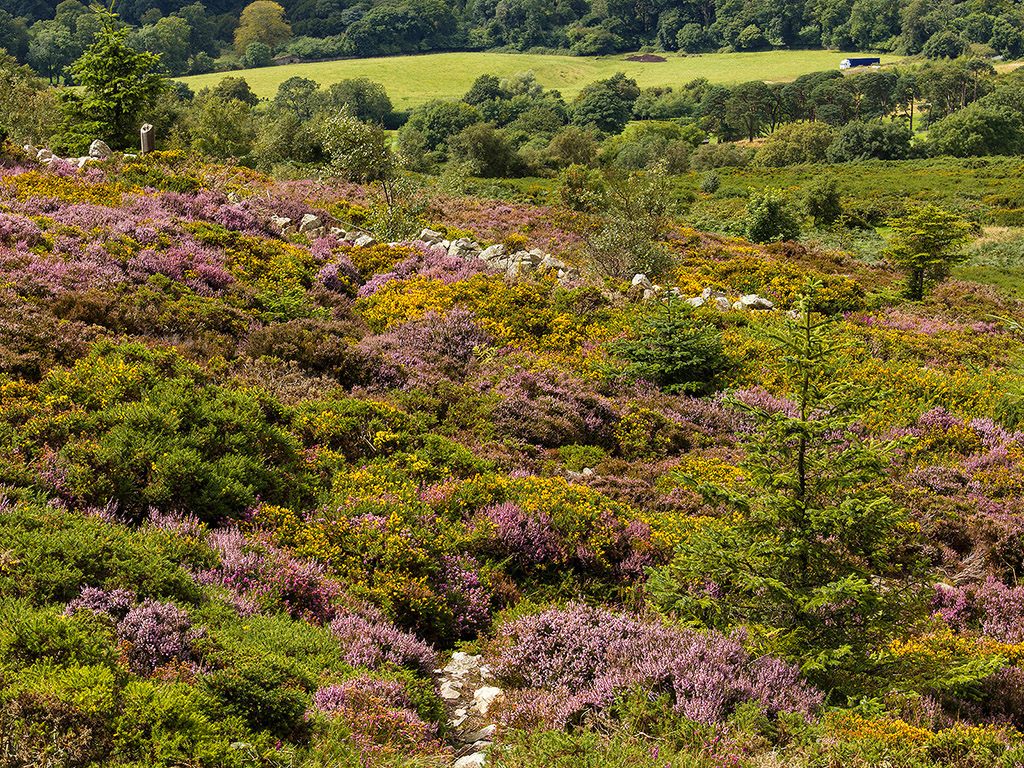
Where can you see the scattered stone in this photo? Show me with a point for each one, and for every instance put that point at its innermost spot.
(364, 241)
(739, 306)
(310, 222)
(485, 697)
(283, 223)
(430, 237)
(99, 150)
(753, 301)
(641, 280)
(696, 301)
(550, 262)
(711, 293)
(484, 733)
(722, 303)
(475, 760)
(496, 251)
(448, 691)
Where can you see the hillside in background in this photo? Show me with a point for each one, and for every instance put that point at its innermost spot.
(412, 81)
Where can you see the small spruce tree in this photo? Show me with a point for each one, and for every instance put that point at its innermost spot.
(815, 554)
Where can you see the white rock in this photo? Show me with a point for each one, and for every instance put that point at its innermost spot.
(44, 154)
(587, 472)
(641, 280)
(81, 161)
(364, 241)
(448, 692)
(309, 222)
(484, 733)
(459, 720)
(550, 262)
(648, 293)
(460, 711)
(722, 303)
(430, 236)
(753, 301)
(696, 301)
(476, 760)
(495, 251)
(100, 150)
(485, 697)
(446, 244)
(739, 306)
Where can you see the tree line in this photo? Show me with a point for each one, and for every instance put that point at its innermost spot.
(194, 37)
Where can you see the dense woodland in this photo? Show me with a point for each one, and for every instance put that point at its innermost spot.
(196, 37)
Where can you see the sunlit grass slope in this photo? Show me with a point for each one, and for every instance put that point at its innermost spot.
(414, 80)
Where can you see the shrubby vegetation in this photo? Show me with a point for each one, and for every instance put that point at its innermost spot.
(257, 482)
(256, 486)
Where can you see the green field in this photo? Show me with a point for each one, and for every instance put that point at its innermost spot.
(415, 80)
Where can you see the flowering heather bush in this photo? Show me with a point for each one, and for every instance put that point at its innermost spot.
(381, 717)
(992, 609)
(113, 602)
(437, 345)
(339, 276)
(269, 577)
(548, 409)
(370, 640)
(594, 655)
(529, 539)
(460, 584)
(154, 634)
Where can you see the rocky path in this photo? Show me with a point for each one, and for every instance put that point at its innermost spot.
(466, 686)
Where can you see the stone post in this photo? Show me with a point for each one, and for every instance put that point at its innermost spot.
(147, 139)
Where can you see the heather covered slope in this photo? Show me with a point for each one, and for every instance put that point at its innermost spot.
(258, 487)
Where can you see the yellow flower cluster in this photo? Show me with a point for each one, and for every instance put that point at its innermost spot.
(699, 470)
(69, 189)
(891, 732)
(515, 313)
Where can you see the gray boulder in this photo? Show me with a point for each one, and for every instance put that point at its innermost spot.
(494, 252)
(99, 150)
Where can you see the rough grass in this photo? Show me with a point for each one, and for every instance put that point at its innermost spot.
(414, 80)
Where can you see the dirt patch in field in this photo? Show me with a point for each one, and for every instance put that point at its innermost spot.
(646, 58)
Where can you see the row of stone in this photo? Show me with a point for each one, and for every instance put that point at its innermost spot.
(708, 297)
(513, 264)
(98, 150)
(497, 257)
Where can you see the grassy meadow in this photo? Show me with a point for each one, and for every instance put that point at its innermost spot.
(414, 80)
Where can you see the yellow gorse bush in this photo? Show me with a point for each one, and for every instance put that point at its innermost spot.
(69, 189)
